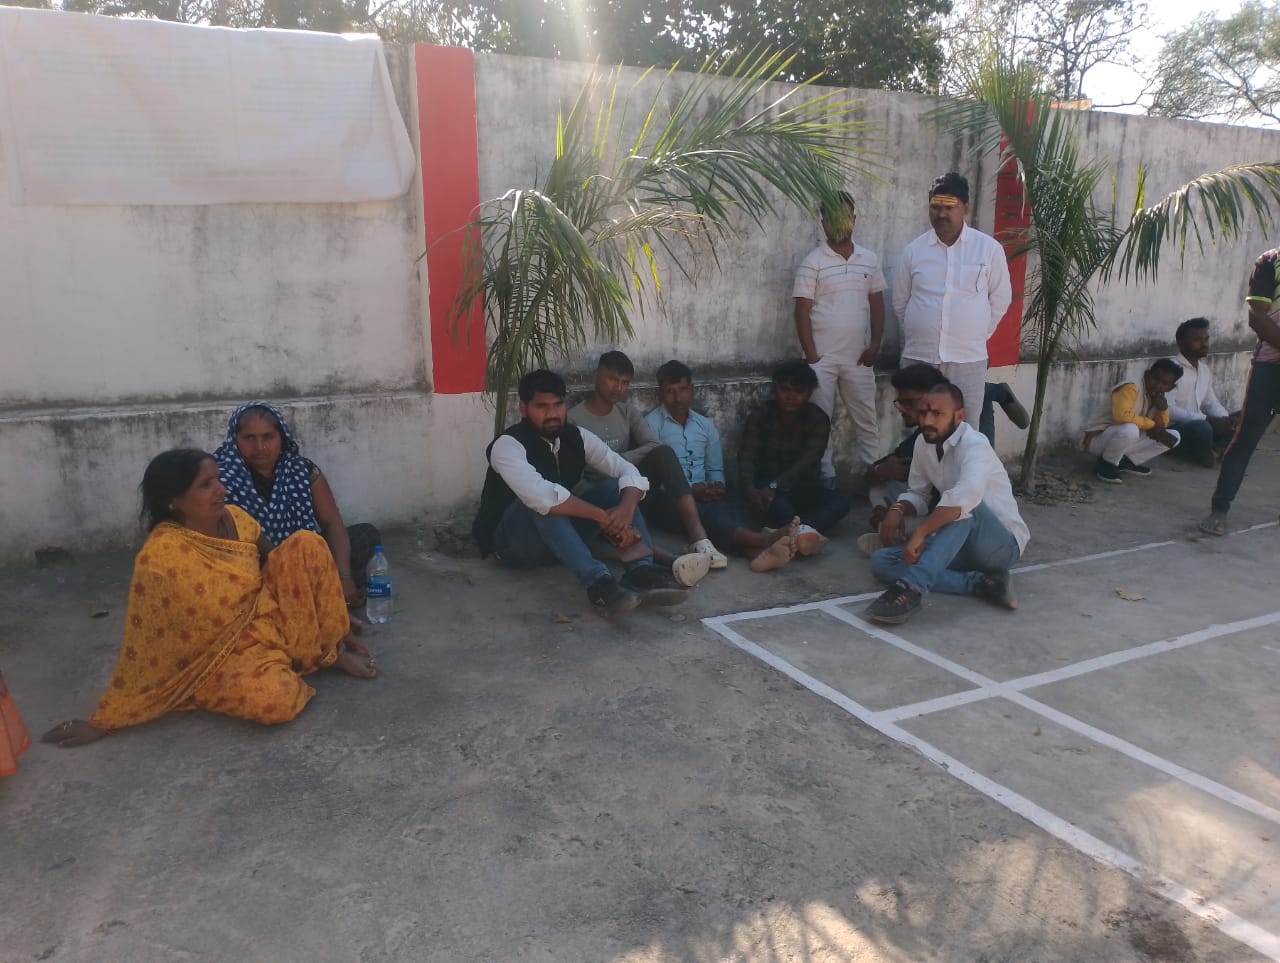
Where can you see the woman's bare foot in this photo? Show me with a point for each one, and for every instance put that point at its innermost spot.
(73, 732)
(354, 658)
(357, 627)
(780, 552)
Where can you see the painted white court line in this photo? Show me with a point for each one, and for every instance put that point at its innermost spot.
(1012, 690)
(992, 688)
(1240, 929)
(1024, 569)
(863, 597)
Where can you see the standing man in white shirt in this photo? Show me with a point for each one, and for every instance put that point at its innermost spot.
(529, 517)
(950, 291)
(1195, 412)
(969, 541)
(839, 313)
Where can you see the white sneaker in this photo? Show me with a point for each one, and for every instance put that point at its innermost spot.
(690, 569)
(704, 547)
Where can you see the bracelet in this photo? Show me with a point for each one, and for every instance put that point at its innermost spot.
(900, 506)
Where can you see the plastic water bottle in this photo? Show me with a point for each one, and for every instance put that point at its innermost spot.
(378, 590)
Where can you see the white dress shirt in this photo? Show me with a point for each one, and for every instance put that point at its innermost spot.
(950, 299)
(968, 474)
(1193, 398)
(508, 458)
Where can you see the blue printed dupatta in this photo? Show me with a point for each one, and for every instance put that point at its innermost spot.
(289, 509)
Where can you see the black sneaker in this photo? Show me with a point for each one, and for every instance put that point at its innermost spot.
(898, 603)
(997, 589)
(608, 596)
(653, 586)
(1107, 472)
(1131, 468)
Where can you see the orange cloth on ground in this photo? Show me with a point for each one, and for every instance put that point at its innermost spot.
(14, 740)
(204, 617)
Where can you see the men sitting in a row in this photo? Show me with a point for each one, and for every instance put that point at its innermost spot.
(696, 443)
(1195, 412)
(1131, 425)
(606, 414)
(782, 445)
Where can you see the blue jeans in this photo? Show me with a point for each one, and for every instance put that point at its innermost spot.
(525, 539)
(955, 557)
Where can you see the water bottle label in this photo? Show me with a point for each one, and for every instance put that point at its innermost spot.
(379, 588)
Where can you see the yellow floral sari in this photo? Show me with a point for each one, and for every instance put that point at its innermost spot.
(208, 627)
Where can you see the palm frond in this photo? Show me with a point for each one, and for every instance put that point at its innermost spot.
(1220, 205)
(571, 258)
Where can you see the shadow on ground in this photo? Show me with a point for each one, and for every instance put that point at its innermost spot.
(529, 782)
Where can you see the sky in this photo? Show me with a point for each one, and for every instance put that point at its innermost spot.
(1111, 85)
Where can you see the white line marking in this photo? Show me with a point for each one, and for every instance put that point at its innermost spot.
(849, 599)
(1083, 667)
(1013, 691)
(1137, 753)
(1095, 557)
(1238, 928)
(1255, 528)
(884, 635)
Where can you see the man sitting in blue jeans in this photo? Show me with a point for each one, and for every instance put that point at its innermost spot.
(528, 516)
(968, 543)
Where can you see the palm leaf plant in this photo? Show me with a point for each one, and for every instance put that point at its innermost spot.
(1073, 241)
(570, 259)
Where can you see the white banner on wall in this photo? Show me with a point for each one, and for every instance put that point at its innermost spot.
(100, 110)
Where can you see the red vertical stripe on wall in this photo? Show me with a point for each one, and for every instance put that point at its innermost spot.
(449, 151)
(1011, 214)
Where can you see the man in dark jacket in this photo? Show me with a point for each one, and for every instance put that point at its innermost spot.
(529, 517)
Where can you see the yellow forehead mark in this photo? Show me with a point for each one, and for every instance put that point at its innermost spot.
(944, 200)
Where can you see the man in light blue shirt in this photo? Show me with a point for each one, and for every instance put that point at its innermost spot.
(696, 443)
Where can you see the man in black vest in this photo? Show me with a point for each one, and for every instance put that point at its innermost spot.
(528, 516)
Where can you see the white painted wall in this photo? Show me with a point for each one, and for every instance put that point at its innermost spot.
(132, 329)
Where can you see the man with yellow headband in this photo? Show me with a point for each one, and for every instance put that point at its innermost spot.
(950, 290)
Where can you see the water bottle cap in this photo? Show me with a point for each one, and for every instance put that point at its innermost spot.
(377, 549)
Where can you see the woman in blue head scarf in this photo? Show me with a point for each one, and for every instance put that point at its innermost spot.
(265, 475)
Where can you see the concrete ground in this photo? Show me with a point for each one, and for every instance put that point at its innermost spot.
(526, 781)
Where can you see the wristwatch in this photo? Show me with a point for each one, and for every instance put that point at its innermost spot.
(773, 486)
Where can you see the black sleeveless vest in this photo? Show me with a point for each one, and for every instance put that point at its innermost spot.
(496, 495)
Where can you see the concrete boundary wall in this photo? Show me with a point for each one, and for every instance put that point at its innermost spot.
(134, 329)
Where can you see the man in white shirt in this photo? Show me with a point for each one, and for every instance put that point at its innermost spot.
(969, 541)
(1195, 412)
(529, 517)
(950, 291)
(839, 315)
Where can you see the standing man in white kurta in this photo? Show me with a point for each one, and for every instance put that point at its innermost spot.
(950, 291)
(839, 295)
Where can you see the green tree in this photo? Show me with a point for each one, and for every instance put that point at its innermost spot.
(1058, 41)
(1073, 243)
(574, 255)
(1222, 68)
(335, 16)
(894, 44)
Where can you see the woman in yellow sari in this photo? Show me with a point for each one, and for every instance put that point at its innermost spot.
(219, 620)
